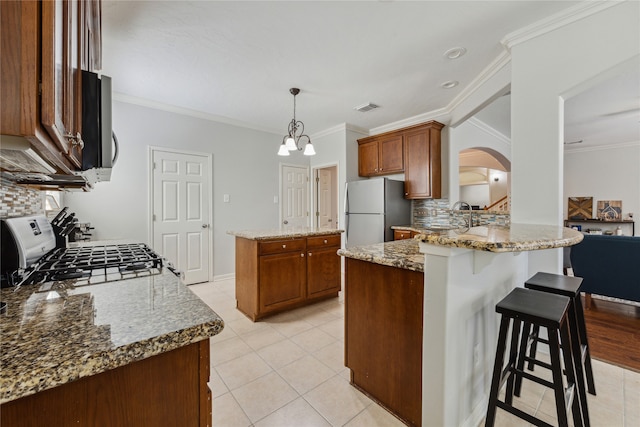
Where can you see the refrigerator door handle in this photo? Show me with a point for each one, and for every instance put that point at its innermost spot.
(346, 213)
(346, 229)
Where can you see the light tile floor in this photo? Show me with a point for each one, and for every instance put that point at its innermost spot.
(288, 370)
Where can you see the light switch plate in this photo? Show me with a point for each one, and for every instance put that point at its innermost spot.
(226, 198)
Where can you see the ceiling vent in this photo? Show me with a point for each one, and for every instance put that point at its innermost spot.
(366, 107)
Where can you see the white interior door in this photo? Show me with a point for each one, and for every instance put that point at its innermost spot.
(327, 205)
(295, 199)
(181, 211)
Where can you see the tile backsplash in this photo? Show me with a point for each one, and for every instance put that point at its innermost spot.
(436, 213)
(17, 200)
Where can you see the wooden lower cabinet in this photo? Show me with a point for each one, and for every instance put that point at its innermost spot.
(383, 335)
(277, 275)
(169, 389)
(282, 278)
(403, 234)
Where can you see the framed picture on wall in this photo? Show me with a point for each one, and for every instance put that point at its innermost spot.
(610, 210)
(580, 208)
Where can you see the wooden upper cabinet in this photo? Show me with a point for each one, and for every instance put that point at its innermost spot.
(368, 158)
(61, 107)
(380, 155)
(422, 170)
(45, 45)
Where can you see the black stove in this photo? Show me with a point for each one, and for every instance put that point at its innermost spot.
(95, 264)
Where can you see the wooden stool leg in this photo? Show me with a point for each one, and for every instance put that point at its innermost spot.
(576, 353)
(535, 334)
(513, 359)
(570, 372)
(584, 342)
(522, 353)
(556, 370)
(496, 379)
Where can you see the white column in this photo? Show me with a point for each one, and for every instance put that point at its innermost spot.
(462, 287)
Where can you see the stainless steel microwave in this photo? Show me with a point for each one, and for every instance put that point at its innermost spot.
(100, 150)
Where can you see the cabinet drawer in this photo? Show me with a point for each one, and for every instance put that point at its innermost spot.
(281, 246)
(402, 234)
(323, 241)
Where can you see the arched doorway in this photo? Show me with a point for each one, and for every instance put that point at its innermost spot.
(484, 178)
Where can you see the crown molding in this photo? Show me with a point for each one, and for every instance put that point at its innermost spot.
(489, 130)
(143, 102)
(441, 114)
(558, 20)
(501, 61)
(602, 147)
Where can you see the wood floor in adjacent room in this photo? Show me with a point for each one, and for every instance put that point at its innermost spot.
(613, 330)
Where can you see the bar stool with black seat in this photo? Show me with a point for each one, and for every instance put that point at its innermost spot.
(568, 286)
(551, 312)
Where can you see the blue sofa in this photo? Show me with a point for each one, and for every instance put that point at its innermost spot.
(608, 265)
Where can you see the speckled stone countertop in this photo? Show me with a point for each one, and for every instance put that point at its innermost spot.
(514, 238)
(284, 233)
(57, 332)
(400, 253)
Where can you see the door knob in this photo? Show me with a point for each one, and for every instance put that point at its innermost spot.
(205, 225)
(285, 222)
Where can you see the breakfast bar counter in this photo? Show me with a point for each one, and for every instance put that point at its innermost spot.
(429, 302)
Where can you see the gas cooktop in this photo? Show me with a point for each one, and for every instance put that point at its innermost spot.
(95, 264)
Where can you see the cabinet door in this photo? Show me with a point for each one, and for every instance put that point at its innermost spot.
(323, 271)
(422, 163)
(61, 100)
(368, 158)
(91, 42)
(282, 280)
(391, 155)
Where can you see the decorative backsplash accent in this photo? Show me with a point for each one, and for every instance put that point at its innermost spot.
(436, 213)
(428, 213)
(16, 200)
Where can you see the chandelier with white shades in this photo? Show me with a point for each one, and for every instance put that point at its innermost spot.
(291, 141)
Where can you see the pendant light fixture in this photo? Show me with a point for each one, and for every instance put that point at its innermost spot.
(295, 132)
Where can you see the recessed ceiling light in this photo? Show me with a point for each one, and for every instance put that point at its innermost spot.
(450, 84)
(455, 52)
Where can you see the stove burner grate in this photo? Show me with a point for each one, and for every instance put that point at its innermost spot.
(95, 264)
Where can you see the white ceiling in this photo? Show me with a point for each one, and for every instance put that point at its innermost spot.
(236, 60)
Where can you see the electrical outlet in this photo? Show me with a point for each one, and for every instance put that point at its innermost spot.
(275, 199)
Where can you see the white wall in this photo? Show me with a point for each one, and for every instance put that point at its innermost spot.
(545, 69)
(245, 166)
(605, 174)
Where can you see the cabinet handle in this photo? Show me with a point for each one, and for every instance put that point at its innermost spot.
(406, 194)
(309, 253)
(325, 241)
(302, 255)
(75, 140)
(284, 246)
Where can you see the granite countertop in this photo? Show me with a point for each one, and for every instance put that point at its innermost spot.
(513, 238)
(399, 253)
(57, 332)
(284, 233)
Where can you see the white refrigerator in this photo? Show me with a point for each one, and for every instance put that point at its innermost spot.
(371, 207)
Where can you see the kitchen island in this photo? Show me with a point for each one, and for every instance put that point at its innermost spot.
(465, 275)
(280, 269)
(384, 288)
(127, 352)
